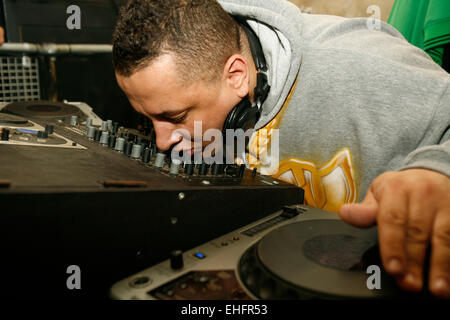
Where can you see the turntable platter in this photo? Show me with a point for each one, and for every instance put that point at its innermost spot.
(9, 119)
(314, 259)
(42, 109)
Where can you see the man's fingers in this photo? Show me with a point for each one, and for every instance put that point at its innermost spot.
(360, 214)
(392, 220)
(418, 231)
(440, 255)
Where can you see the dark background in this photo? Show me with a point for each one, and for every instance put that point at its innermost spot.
(88, 79)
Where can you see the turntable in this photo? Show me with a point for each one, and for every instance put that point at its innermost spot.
(297, 253)
(23, 123)
(55, 111)
(41, 109)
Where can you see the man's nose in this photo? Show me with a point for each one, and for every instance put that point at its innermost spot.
(165, 137)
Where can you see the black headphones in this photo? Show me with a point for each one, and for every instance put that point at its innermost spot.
(245, 114)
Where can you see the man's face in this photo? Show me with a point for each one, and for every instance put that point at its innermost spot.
(156, 92)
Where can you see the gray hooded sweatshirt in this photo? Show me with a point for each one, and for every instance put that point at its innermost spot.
(351, 99)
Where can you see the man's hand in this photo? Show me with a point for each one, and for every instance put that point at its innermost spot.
(2, 36)
(412, 210)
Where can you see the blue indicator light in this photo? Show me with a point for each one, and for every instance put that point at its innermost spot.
(199, 255)
(27, 131)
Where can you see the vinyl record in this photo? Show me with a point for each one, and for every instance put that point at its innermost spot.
(41, 109)
(315, 259)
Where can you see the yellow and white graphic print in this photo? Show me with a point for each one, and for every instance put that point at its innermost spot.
(327, 185)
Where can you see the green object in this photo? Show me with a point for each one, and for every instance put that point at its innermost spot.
(424, 23)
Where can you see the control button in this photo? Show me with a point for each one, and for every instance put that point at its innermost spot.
(49, 128)
(42, 134)
(170, 293)
(73, 120)
(202, 278)
(235, 238)
(120, 143)
(140, 282)
(159, 161)
(176, 259)
(136, 151)
(199, 255)
(5, 135)
(104, 138)
(90, 132)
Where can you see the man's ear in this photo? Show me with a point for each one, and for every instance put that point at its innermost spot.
(237, 74)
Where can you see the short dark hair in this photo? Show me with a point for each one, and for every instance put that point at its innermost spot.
(200, 33)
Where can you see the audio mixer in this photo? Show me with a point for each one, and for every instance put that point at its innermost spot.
(78, 190)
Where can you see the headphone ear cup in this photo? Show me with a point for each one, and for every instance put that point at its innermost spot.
(247, 119)
(234, 117)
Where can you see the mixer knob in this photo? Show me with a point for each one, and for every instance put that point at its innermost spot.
(241, 170)
(109, 124)
(120, 143)
(128, 148)
(88, 122)
(115, 127)
(159, 161)
(5, 134)
(203, 169)
(176, 260)
(104, 126)
(104, 137)
(49, 128)
(42, 134)
(136, 151)
(73, 120)
(175, 166)
(216, 169)
(131, 137)
(97, 135)
(146, 156)
(111, 141)
(90, 132)
(189, 168)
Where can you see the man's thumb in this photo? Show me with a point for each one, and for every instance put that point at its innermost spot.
(362, 214)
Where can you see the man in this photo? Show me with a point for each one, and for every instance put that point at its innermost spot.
(362, 115)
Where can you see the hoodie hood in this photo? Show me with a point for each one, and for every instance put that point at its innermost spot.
(278, 25)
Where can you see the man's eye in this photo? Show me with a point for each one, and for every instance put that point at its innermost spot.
(179, 119)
